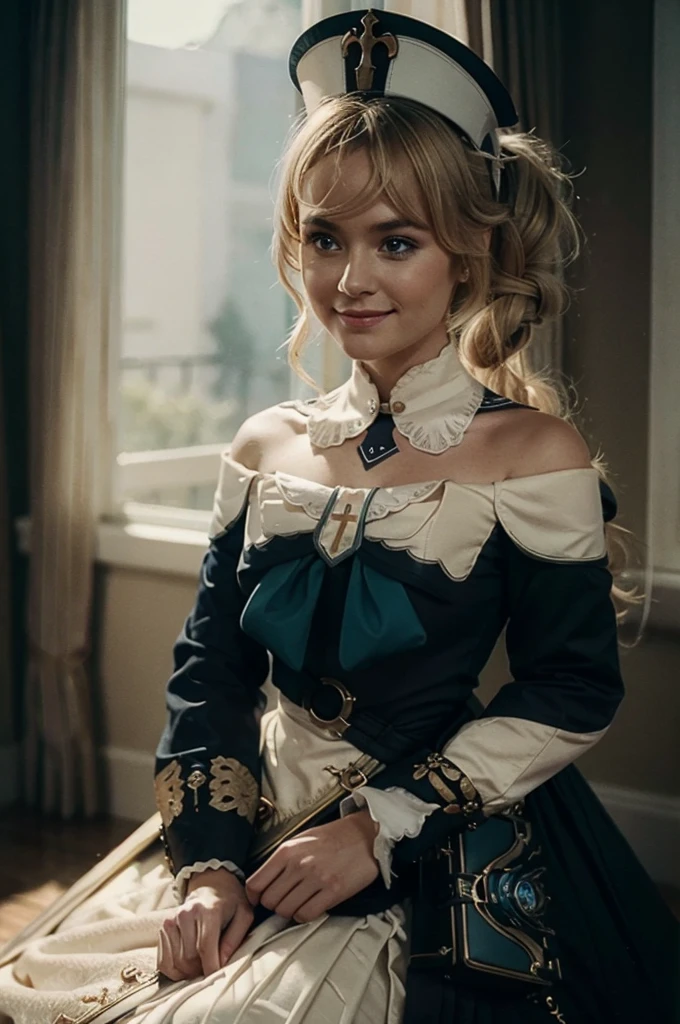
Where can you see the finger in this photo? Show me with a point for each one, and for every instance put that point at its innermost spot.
(302, 893)
(208, 943)
(280, 888)
(314, 908)
(264, 876)
(186, 926)
(166, 959)
(182, 940)
(235, 934)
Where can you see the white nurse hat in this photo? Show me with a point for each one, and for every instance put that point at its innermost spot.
(384, 54)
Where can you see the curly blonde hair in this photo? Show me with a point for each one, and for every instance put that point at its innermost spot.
(513, 286)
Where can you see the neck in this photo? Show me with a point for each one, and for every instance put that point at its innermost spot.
(386, 372)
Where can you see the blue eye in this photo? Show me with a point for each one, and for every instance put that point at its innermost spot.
(313, 239)
(320, 243)
(400, 241)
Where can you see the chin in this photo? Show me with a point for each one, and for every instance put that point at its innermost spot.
(368, 349)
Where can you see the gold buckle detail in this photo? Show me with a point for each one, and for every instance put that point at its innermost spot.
(350, 778)
(338, 724)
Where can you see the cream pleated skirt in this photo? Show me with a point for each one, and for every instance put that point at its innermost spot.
(99, 963)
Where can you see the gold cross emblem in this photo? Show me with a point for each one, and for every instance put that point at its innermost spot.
(368, 41)
(343, 518)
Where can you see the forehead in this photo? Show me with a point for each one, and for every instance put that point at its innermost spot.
(348, 186)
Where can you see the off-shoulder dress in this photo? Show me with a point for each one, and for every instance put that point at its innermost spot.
(374, 609)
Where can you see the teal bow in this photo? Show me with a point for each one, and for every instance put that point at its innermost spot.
(378, 618)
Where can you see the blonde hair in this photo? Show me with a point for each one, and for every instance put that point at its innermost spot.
(513, 286)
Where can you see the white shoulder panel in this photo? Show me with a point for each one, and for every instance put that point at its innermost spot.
(232, 491)
(557, 516)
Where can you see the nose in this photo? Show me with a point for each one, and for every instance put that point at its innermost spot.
(357, 277)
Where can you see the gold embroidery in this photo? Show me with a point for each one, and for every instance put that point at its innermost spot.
(102, 998)
(436, 766)
(233, 788)
(194, 782)
(554, 1010)
(133, 978)
(436, 763)
(169, 789)
(467, 789)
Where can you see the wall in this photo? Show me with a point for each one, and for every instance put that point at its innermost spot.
(609, 126)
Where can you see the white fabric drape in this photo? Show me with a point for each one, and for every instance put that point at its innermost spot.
(76, 118)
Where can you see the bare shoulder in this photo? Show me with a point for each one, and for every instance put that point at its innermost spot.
(543, 443)
(260, 432)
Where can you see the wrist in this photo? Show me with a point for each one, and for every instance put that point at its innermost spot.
(215, 878)
(363, 820)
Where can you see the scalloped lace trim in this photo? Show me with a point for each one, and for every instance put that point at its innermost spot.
(398, 814)
(440, 395)
(182, 877)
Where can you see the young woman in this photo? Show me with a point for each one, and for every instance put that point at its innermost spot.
(377, 847)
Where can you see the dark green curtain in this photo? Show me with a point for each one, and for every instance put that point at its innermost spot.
(14, 76)
(527, 54)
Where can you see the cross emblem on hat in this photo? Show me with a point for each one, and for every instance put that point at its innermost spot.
(368, 41)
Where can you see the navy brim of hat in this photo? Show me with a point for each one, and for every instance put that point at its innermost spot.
(379, 53)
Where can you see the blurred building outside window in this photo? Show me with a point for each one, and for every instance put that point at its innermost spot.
(204, 317)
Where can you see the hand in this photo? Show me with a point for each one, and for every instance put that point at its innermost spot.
(189, 942)
(317, 869)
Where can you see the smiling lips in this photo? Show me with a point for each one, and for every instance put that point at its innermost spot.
(364, 317)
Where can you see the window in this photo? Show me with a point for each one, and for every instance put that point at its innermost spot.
(204, 316)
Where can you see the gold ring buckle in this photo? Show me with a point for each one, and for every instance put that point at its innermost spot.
(338, 724)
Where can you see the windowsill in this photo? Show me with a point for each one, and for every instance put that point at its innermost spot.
(145, 547)
(178, 551)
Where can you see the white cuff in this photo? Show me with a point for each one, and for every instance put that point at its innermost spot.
(397, 812)
(182, 877)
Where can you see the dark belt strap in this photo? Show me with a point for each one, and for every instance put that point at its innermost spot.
(330, 705)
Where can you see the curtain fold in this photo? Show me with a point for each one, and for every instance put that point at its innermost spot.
(77, 95)
(520, 40)
(6, 680)
(526, 54)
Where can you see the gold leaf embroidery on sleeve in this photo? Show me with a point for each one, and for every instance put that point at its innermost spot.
(436, 766)
(233, 788)
(169, 790)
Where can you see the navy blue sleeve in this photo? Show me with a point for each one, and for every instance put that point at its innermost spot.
(207, 763)
(562, 646)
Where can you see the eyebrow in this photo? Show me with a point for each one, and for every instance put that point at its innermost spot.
(386, 225)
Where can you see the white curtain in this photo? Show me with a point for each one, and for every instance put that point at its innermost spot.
(448, 15)
(77, 94)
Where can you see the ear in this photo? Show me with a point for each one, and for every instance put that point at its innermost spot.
(486, 235)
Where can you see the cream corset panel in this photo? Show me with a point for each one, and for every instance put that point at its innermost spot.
(556, 516)
(285, 505)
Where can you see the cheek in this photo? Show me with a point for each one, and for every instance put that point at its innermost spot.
(426, 283)
(317, 276)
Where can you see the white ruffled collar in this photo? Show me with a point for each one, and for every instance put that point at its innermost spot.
(432, 405)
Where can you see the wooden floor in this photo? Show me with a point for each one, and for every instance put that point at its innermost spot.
(40, 857)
